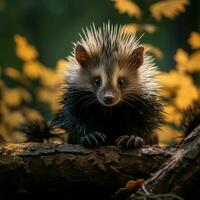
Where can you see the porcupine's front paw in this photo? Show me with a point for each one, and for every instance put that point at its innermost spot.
(93, 139)
(130, 142)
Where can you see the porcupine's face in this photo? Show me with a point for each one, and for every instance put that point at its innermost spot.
(111, 79)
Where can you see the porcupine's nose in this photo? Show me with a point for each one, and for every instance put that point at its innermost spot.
(109, 98)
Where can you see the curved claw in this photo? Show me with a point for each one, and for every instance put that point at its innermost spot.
(139, 142)
(93, 139)
(130, 142)
(122, 140)
(100, 137)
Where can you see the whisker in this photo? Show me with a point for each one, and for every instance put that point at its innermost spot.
(87, 103)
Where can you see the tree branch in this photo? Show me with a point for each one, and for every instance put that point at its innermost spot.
(35, 170)
(30, 168)
(180, 174)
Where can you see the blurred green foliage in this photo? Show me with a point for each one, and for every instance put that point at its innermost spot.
(52, 26)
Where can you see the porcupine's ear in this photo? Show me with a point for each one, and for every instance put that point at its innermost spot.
(81, 55)
(137, 57)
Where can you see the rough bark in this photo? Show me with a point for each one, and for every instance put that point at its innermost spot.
(32, 170)
(180, 174)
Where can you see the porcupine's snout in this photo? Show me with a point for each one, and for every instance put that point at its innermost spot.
(108, 98)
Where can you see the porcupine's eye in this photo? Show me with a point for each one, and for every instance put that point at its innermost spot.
(121, 82)
(97, 82)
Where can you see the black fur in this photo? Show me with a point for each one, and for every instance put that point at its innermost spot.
(141, 116)
(36, 131)
(191, 118)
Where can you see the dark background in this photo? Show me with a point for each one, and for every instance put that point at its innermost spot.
(52, 26)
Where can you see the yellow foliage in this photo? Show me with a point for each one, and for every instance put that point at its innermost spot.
(13, 73)
(130, 28)
(129, 7)
(173, 115)
(182, 58)
(133, 28)
(171, 80)
(194, 40)
(50, 78)
(61, 66)
(33, 69)
(179, 84)
(186, 62)
(53, 78)
(14, 119)
(168, 8)
(32, 114)
(194, 62)
(45, 95)
(14, 97)
(25, 51)
(149, 28)
(25, 95)
(155, 50)
(186, 94)
(168, 135)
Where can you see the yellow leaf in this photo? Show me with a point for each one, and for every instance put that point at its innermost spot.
(25, 95)
(45, 95)
(50, 78)
(12, 97)
(14, 119)
(33, 69)
(173, 79)
(168, 8)
(150, 28)
(134, 28)
(168, 135)
(13, 73)
(61, 66)
(173, 115)
(24, 50)
(32, 114)
(129, 7)
(156, 51)
(182, 59)
(194, 40)
(186, 94)
(178, 85)
(194, 62)
(130, 28)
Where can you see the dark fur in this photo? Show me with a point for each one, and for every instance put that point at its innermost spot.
(140, 117)
(36, 131)
(191, 118)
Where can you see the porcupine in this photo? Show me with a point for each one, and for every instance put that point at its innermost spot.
(111, 94)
